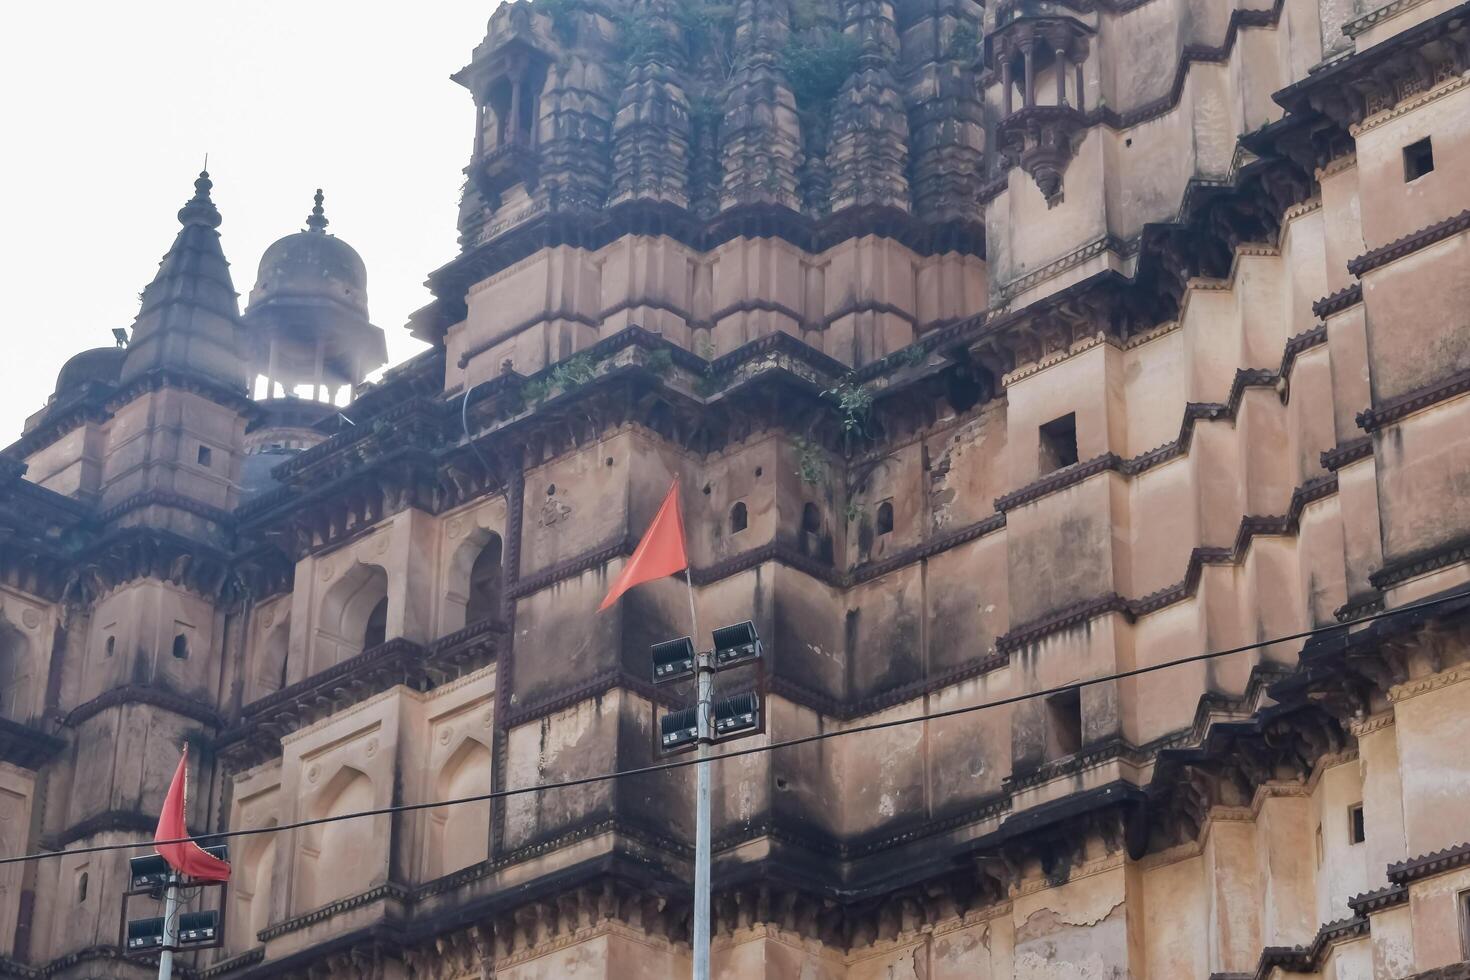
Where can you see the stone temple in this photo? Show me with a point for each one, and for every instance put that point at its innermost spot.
(996, 346)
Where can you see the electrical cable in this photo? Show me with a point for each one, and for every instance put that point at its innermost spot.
(1342, 627)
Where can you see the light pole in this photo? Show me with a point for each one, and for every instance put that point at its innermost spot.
(170, 927)
(676, 660)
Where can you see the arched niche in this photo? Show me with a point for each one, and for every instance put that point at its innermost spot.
(459, 836)
(353, 615)
(17, 673)
(251, 877)
(475, 584)
(272, 659)
(337, 860)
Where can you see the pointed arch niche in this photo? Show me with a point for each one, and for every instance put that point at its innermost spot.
(353, 616)
(459, 836)
(337, 860)
(252, 875)
(17, 673)
(474, 586)
(272, 659)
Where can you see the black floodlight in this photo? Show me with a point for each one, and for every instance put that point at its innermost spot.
(739, 714)
(221, 851)
(151, 871)
(198, 928)
(673, 660)
(735, 645)
(145, 934)
(678, 729)
(120, 334)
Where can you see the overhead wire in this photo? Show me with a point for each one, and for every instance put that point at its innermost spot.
(1342, 627)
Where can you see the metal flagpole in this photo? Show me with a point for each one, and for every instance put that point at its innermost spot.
(701, 797)
(170, 927)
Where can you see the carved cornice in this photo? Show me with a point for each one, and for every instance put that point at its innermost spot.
(1424, 685)
(1345, 453)
(1383, 898)
(1409, 244)
(1401, 406)
(27, 747)
(1371, 19)
(1412, 566)
(390, 891)
(1429, 865)
(1309, 958)
(162, 498)
(149, 694)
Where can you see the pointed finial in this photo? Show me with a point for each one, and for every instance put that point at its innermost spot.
(317, 220)
(200, 209)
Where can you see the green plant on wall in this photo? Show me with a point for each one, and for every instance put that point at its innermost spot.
(854, 406)
(816, 62)
(964, 44)
(810, 466)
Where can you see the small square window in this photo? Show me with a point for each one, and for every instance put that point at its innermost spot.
(1356, 831)
(1418, 159)
(1059, 443)
(204, 455)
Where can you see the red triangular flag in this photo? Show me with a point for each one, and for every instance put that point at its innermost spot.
(188, 858)
(660, 553)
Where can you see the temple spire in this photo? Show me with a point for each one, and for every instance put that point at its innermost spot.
(317, 220)
(190, 311)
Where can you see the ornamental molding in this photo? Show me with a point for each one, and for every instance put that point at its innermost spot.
(1087, 869)
(1107, 243)
(1371, 19)
(1361, 727)
(1424, 685)
(1332, 168)
(1408, 105)
(1051, 360)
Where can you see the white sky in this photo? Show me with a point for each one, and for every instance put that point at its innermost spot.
(107, 109)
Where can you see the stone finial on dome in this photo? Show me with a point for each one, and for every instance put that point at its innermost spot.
(317, 220)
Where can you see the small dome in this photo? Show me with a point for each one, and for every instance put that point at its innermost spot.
(312, 266)
(99, 364)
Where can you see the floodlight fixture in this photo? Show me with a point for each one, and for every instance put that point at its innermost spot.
(198, 928)
(673, 660)
(120, 334)
(148, 872)
(679, 729)
(739, 714)
(736, 645)
(144, 934)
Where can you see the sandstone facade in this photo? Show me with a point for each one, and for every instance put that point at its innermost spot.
(996, 347)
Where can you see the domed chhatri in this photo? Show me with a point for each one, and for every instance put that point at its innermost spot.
(310, 266)
(102, 364)
(308, 314)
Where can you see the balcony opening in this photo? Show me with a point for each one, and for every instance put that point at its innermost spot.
(738, 518)
(1063, 724)
(377, 625)
(885, 517)
(1357, 832)
(1418, 159)
(1059, 443)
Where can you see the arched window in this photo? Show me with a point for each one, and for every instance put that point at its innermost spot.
(111, 646)
(81, 888)
(485, 583)
(459, 836)
(181, 647)
(811, 518)
(353, 616)
(885, 517)
(737, 518)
